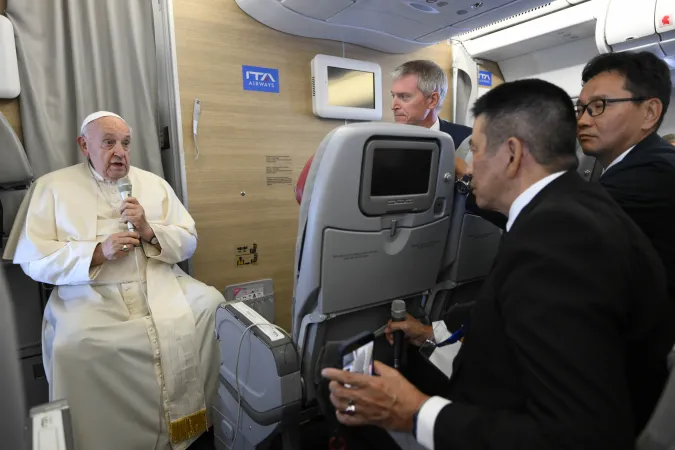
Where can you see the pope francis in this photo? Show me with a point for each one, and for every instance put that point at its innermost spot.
(128, 338)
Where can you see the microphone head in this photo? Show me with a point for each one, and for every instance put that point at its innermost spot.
(398, 310)
(124, 186)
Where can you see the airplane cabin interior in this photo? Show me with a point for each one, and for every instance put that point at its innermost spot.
(226, 100)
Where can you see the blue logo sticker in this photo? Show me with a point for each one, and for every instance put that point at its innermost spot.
(484, 78)
(260, 79)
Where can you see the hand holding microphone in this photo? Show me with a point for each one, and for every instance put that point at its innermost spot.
(413, 329)
(132, 211)
(398, 314)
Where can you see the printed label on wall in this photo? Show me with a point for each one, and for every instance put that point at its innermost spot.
(246, 255)
(249, 293)
(278, 170)
(260, 79)
(484, 78)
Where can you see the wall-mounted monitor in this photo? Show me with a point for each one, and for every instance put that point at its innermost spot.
(398, 176)
(346, 88)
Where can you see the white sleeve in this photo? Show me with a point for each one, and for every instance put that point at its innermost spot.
(42, 255)
(426, 419)
(441, 332)
(175, 231)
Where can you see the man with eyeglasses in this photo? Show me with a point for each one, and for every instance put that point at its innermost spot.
(621, 107)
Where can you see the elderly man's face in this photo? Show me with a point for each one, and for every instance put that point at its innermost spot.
(107, 142)
(409, 103)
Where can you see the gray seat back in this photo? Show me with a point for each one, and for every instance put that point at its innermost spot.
(358, 248)
(472, 246)
(15, 176)
(659, 434)
(589, 168)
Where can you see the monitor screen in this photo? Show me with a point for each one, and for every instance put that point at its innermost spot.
(399, 171)
(351, 88)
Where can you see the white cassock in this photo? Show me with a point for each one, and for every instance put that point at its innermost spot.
(136, 374)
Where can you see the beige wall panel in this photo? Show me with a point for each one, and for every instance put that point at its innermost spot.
(238, 129)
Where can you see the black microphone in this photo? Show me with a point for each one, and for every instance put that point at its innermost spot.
(398, 314)
(124, 188)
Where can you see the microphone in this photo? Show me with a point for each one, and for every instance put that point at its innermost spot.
(398, 314)
(124, 188)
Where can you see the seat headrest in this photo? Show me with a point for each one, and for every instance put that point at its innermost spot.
(15, 169)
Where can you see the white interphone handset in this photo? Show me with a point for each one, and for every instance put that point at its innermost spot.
(196, 111)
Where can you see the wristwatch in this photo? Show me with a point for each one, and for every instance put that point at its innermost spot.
(154, 240)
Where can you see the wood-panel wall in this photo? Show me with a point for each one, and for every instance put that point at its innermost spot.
(238, 129)
(10, 108)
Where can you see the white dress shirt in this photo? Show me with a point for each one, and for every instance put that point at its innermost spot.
(617, 160)
(426, 418)
(437, 125)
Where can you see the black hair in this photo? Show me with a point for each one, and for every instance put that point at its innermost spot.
(645, 73)
(538, 113)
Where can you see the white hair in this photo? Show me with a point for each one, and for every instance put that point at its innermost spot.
(430, 78)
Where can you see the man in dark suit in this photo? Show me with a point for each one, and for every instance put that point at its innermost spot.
(622, 105)
(566, 346)
(418, 91)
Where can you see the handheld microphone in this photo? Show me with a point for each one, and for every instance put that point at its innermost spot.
(124, 188)
(398, 314)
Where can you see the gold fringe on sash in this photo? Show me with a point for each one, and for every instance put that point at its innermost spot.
(188, 427)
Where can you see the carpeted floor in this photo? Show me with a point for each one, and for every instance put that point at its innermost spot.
(205, 442)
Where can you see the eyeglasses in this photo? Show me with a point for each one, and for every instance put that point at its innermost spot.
(597, 107)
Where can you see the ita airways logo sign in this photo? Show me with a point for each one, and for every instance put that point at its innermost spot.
(484, 78)
(260, 79)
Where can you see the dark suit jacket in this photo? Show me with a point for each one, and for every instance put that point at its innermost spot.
(459, 134)
(643, 184)
(567, 342)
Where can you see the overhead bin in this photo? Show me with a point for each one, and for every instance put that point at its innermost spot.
(555, 24)
(552, 42)
(395, 26)
(629, 26)
(645, 25)
(664, 23)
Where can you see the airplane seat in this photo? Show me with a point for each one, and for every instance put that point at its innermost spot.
(588, 168)
(472, 246)
(659, 434)
(374, 220)
(16, 177)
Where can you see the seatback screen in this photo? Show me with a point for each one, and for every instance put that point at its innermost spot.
(399, 171)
